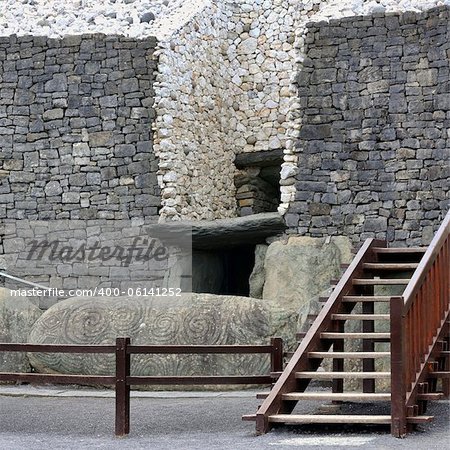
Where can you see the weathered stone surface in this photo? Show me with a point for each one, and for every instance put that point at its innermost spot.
(221, 233)
(188, 319)
(17, 316)
(257, 276)
(297, 270)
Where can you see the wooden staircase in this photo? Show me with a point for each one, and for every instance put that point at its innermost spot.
(416, 334)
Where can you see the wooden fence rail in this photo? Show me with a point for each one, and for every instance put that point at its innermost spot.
(418, 324)
(123, 380)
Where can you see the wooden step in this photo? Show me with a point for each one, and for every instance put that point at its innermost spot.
(419, 419)
(360, 317)
(380, 281)
(349, 355)
(356, 298)
(342, 375)
(328, 418)
(439, 374)
(431, 396)
(275, 374)
(399, 250)
(444, 353)
(328, 335)
(249, 417)
(390, 266)
(300, 335)
(342, 397)
(262, 395)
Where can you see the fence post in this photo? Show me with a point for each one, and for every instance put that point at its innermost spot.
(398, 387)
(122, 388)
(276, 357)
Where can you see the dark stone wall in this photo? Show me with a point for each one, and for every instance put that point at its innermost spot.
(374, 142)
(75, 128)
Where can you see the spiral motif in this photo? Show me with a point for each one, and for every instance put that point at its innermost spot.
(157, 365)
(164, 327)
(52, 324)
(87, 325)
(99, 364)
(202, 327)
(243, 364)
(126, 317)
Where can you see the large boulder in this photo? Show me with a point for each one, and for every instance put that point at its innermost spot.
(302, 267)
(257, 277)
(188, 319)
(17, 316)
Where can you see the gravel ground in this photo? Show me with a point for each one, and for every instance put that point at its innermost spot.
(212, 421)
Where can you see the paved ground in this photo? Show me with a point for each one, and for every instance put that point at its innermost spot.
(41, 418)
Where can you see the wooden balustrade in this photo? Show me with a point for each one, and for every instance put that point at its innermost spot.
(418, 322)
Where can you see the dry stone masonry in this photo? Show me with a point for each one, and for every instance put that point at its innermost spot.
(203, 82)
(74, 128)
(373, 146)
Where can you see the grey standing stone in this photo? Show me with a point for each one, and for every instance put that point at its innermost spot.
(17, 316)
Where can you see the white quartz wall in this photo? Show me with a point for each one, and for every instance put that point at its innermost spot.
(196, 128)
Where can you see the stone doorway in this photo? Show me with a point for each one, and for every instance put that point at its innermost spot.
(257, 182)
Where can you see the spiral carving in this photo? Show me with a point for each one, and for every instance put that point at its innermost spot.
(202, 327)
(164, 327)
(196, 319)
(87, 325)
(126, 320)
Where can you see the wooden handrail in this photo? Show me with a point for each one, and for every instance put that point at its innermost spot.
(426, 262)
(312, 341)
(418, 321)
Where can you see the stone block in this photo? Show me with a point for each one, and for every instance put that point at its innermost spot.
(123, 150)
(71, 197)
(373, 224)
(190, 319)
(53, 114)
(297, 270)
(57, 84)
(101, 139)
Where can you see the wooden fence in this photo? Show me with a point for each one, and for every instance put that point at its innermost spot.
(123, 380)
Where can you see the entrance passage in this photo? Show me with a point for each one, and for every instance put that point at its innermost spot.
(223, 271)
(223, 251)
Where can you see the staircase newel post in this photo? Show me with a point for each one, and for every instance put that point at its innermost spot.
(398, 379)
